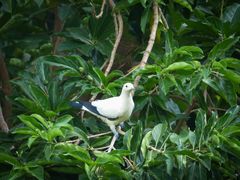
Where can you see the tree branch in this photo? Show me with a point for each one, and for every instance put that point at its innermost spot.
(6, 88)
(150, 42)
(58, 26)
(102, 8)
(4, 77)
(118, 22)
(164, 21)
(3, 124)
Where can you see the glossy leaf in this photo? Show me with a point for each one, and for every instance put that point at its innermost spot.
(221, 48)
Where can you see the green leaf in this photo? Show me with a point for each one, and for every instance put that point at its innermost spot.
(182, 66)
(63, 121)
(228, 74)
(53, 133)
(136, 137)
(72, 150)
(100, 141)
(195, 80)
(223, 88)
(121, 152)
(184, 3)
(9, 159)
(230, 63)
(169, 163)
(30, 105)
(48, 151)
(228, 117)
(39, 96)
(221, 48)
(143, 2)
(12, 22)
(31, 140)
(39, 2)
(40, 119)
(194, 51)
(103, 157)
(192, 171)
(183, 152)
(145, 18)
(158, 131)
(59, 61)
(174, 138)
(231, 15)
(37, 172)
(81, 134)
(24, 130)
(192, 138)
(30, 122)
(145, 143)
(200, 125)
(127, 139)
(231, 131)
(79, 34)
(172, 107)
(101, 77)
(6, 5)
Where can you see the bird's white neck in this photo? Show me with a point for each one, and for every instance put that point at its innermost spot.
(126, 94)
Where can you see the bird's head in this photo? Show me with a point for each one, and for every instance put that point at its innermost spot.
(128, 88)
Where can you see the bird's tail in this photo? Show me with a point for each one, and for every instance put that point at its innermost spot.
(76, 104)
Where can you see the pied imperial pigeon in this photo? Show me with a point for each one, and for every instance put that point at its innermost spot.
(112, 111)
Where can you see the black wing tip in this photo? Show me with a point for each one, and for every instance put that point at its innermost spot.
(76, 104)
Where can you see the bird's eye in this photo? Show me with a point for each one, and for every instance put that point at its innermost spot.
(126, 86)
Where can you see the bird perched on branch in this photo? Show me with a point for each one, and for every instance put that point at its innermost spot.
(112, 111)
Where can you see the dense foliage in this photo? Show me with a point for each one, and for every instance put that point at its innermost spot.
(186, 123)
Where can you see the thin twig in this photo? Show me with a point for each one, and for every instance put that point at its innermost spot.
(75, 141)
(98, 135)
(164, 21)
(3, 124)
(118, 22)
(102, 8)
(101, 148)
(58, 26)
(150, 41)
(155, 149)
(104, 64)
(129, 162)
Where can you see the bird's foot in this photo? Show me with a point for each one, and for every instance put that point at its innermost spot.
(122, 125)
(120, 131)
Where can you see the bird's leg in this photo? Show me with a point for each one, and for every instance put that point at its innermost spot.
(115, 137)
(121, 125)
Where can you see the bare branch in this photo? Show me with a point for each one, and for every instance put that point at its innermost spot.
(3, 124)
(155, 149)
(98, 135)
(118, 22)
(164, 21)
(102, 8)
(58, 26)
(4, 76)
(150, 41)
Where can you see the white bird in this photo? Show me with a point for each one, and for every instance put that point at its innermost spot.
(113, 111)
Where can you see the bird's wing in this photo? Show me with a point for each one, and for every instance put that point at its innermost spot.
(109, 108)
